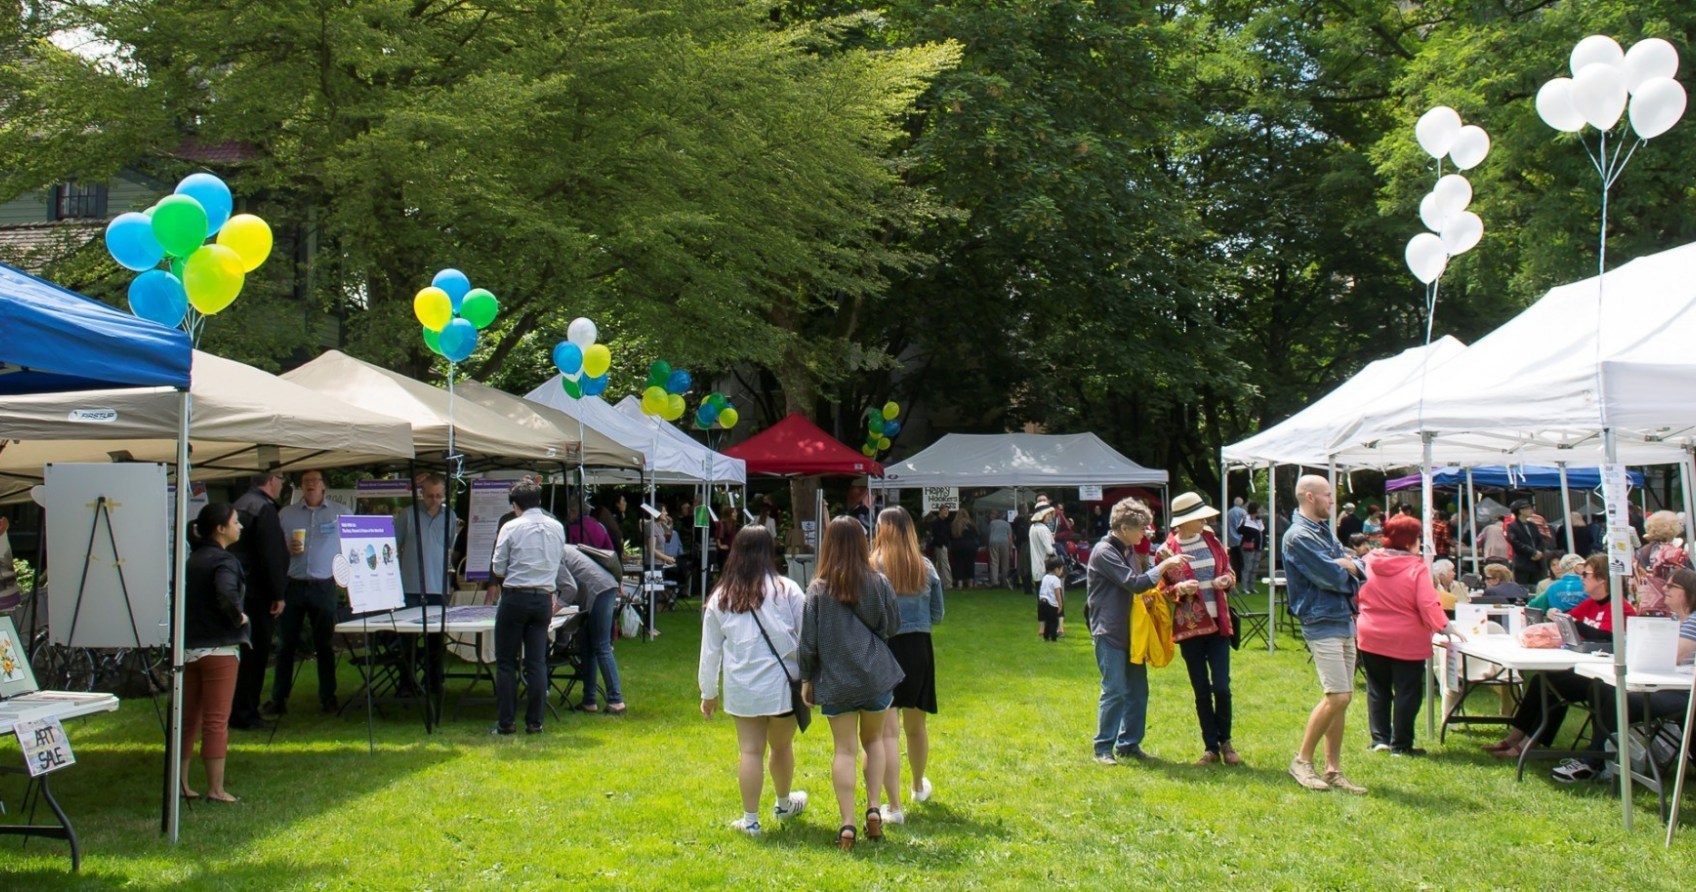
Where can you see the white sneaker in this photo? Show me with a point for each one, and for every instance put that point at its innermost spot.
(892, 815)
(752, 828)
(922, 794)
(789, 808)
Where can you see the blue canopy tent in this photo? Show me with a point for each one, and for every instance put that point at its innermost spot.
(53, 340)
(1512, 477)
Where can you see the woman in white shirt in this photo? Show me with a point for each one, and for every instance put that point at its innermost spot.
(753, 612)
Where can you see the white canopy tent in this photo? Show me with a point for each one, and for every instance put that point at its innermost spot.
(712, 466)
(1021, 460)
(666, 460)
(597, 448)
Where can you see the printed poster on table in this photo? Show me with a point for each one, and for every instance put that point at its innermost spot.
(373, 565)
(489, 501)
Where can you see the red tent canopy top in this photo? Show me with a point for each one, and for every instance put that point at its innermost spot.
(796, 446)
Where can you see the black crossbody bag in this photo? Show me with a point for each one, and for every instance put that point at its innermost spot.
(803, 712)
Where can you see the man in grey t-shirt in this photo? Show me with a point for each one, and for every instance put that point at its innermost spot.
(1000, 551)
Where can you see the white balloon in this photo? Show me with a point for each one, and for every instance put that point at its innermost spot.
(1436, 130)
(1425, 257)
(1453, 194)
(1647, 60)
(1461, 232)
(581, 332)
(1658, 105)
(1598, 92)
(1430, 214)
(1470, 148)
(1597, 49)
(1554, 106)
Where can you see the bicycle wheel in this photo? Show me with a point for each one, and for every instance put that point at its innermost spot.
(60, 668)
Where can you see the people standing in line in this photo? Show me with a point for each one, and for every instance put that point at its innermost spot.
(263, 550)
(1098, 525)
(527, 563)
(1117, 571)
(1399, 612)
(314, 541)
(918, 598)
(1051, 599)
(750, 633)
(1527, 543)
(215, 628)
(421, 537)
(963, 550)
(1323, 580)
(1021, 550)
(597, 593)
(941, 536)
(1442, 534)
(1492, 542)
(1206, 656)
(1253, 545)
(850, 672)
(999, 536)
(1234, 533)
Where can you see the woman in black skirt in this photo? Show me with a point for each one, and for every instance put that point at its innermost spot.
(918, 592)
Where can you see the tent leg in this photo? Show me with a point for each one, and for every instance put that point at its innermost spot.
(174, 739)
(1472, 519)
(1616, 608)
(1687, 471)
(1566, 508)
(1428, 549)
(1272, 545)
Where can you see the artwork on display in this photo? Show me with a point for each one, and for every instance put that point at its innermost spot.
(16, 677)
(369, 556)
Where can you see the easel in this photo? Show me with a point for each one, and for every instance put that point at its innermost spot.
(103, 510)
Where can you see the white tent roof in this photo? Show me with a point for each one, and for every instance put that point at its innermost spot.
(666, 460)
(429, 410)
(599, 450)
(1530, 391)
(1019, 460)
(1305, 437)
(711, 465)
(243, 420)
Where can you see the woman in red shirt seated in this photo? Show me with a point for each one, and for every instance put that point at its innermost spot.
(1594, 618)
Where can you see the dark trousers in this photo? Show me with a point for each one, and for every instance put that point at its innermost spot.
(1236, 553)
(1563, 686)
(521, 621)
(1049, 615)
(1394, 690)
(250, 677)
(311, 600)
(1208, 659)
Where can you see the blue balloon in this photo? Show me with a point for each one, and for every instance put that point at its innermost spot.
(212, 194)
(459, 339)
(594, 386)
(158, 296)
(568, 358)
(130, 239)
(891, 428)
(705, 416)
(455, 283)
(678, 383)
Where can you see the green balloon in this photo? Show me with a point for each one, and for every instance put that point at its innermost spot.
(179, 224)
(433, 340)
(479, 307)
(717, 400)
(177, 264)
(572, 388)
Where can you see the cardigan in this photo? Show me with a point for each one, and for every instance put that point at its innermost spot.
(843, 650)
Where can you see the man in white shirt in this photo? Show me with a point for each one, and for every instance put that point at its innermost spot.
(527, 563)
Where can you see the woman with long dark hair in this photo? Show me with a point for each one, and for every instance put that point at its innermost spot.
(918, 597)
(849, 671)
(750, 629)
(963, 549)
(214, 628)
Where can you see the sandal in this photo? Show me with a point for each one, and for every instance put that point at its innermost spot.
(845, 838)
(189, 796)
(1512, 752)
(588, 707)
(616, 708)
(874, 823)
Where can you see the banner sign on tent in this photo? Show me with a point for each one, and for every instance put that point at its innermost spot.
(382, 496)
(1616, 497)
(489, 501)
(368, 546)
(1089, 493)
(938, 497)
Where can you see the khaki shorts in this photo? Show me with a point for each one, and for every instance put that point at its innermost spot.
(1334, 658)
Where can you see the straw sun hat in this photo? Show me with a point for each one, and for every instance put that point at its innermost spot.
(1189, 506)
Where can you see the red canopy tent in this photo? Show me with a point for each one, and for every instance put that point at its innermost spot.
(797, 447)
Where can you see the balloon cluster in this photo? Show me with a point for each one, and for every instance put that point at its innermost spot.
(204, 276)
(1454, 229)
(663, 394)
(881, 428)
(452, 313)
(582, 363)
(1605, 78)
(716, 410)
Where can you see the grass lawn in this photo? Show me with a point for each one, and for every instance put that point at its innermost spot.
(643, 801)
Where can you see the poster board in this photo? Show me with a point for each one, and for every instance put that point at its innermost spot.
(490, 499)
(135, 501)
(1089, 493)
(16, 676)
(938, 497)
(373, 562)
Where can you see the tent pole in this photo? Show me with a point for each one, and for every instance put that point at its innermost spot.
(1272, 546)
(1429, 551)
(1686, 471)
(1331, 480)
(1616, 610)
(1566, 509)
(1472, 518)
(174, 740)
(1225, 500)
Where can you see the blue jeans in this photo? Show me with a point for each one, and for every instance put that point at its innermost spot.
(595, 641)
(1124, 699)
(1205, 656)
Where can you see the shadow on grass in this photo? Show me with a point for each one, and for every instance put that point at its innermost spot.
(932, 833)
(270, 875)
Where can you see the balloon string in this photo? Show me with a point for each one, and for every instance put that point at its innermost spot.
(455, 461)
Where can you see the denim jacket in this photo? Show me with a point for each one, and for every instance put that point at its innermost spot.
(1320, 591)
(921, 610)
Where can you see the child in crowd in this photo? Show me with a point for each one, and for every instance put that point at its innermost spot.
(1051, 602)
(1360, 544)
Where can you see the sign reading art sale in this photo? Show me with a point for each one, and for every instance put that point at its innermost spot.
(46, 748)
(941, 497)
(372, 561)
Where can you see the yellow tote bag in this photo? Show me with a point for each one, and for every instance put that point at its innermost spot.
(1151, 628)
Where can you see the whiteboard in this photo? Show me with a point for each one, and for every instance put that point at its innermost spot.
(138, 510)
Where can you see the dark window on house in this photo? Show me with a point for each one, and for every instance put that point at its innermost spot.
(78, 201)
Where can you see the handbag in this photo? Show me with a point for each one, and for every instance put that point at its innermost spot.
(1236, 629)
(1190, 619)
(803, 712)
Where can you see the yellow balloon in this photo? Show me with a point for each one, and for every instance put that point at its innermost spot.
(433, 308)
(249, 237)
(674, 407)
(890, 410)
(883, 442)
(728, 418)
(596, 360)
(212, 277)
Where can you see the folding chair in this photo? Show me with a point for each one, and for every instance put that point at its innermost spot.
(566, 664)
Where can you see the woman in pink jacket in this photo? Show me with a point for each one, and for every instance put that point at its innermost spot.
(1399, 611)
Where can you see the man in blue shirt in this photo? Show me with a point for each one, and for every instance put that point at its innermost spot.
(1323, 580)
(314, 541)
(427, 528)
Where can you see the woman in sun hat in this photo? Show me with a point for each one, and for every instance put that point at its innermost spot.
(1207, 577)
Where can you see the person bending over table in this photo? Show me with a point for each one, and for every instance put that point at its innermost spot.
(1595, 622)
(214, 628)
(1680, 593)
(597, 591)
